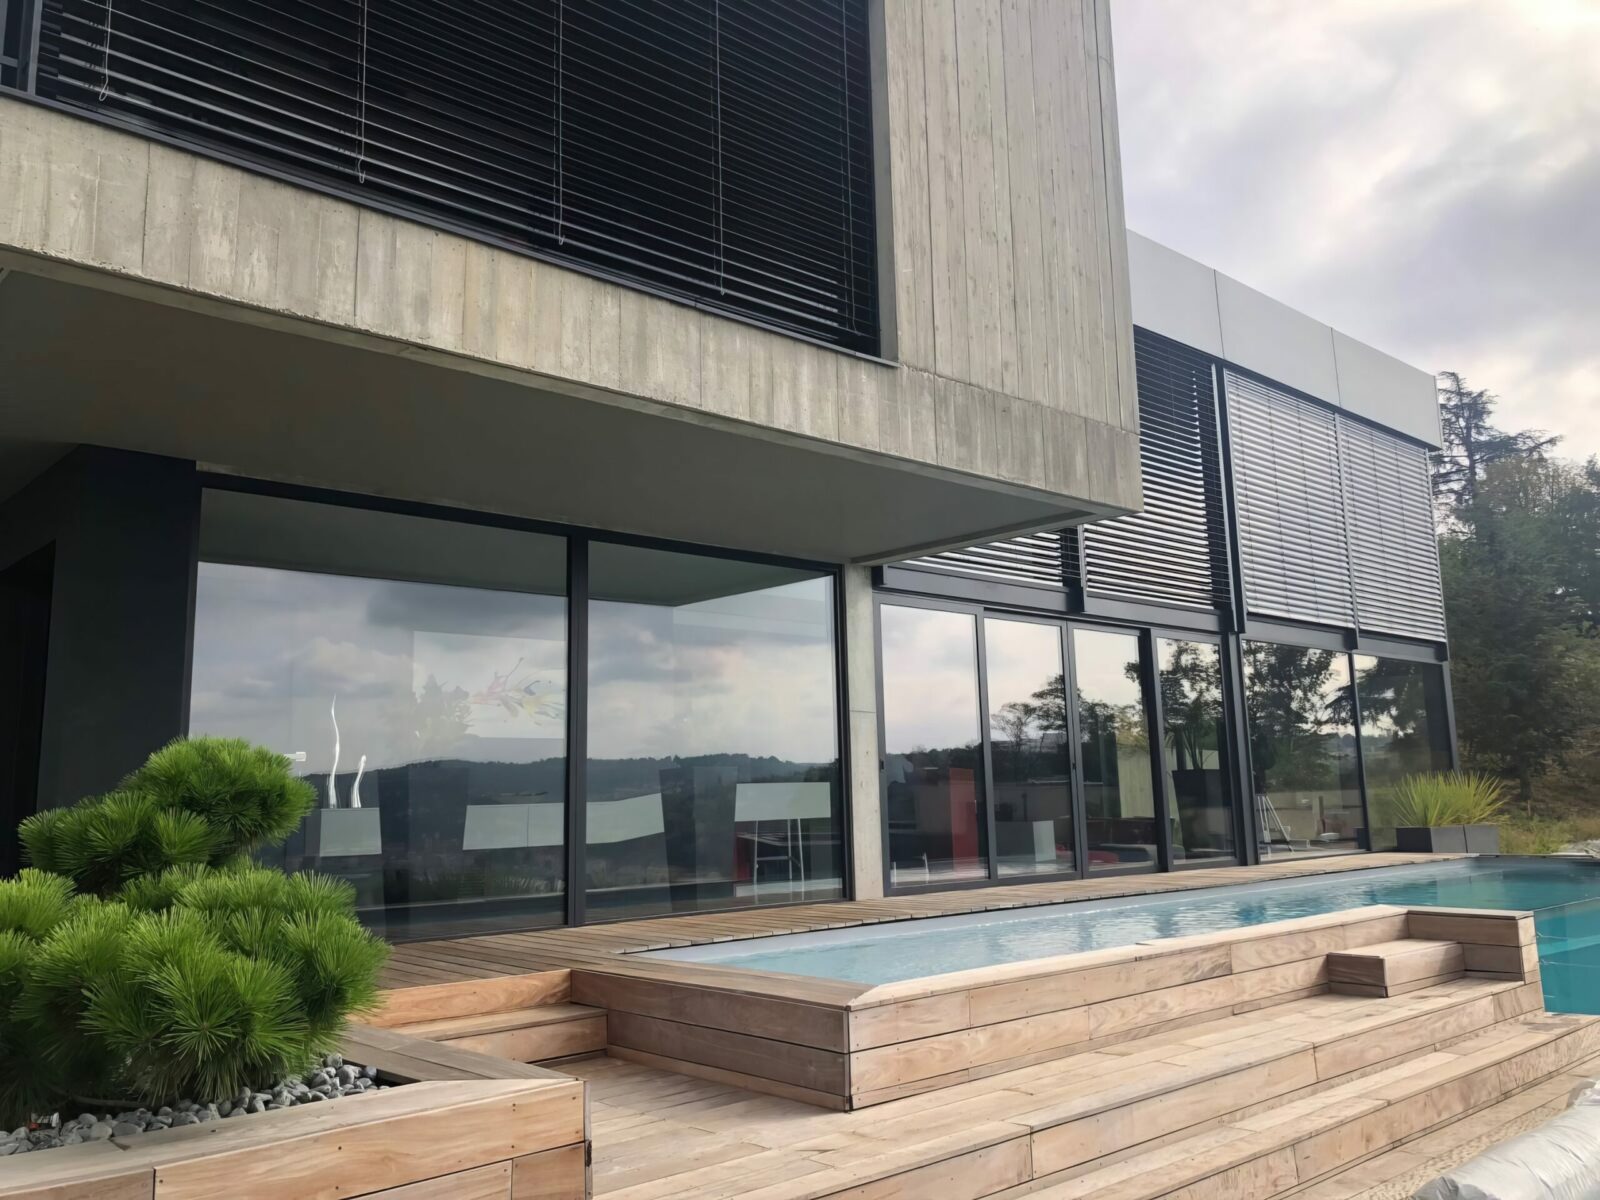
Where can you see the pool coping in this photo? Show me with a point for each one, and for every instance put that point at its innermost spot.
(849, 1046)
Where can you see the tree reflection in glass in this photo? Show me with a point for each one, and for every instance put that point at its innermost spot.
(1403, 730)
(1114, 750)
(1028, 748)
(1193, 749)
(1305, 777)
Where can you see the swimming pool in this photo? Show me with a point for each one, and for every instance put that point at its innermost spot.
(1563, 894)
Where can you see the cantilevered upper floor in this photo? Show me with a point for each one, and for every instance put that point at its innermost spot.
(839, 280)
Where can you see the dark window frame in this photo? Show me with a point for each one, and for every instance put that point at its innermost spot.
(1066, 623)
(578, 540)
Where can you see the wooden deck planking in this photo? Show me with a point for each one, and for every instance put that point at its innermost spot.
(416, 964)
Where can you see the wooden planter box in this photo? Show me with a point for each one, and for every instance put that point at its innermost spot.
(465, 1133)
(1448, 839)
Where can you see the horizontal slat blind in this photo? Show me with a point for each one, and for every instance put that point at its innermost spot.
(1294, 554)
(1034, 558)
(717, 150)
(1174, 550)
(1394, 551)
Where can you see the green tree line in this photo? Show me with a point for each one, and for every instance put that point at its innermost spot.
(1519, 548)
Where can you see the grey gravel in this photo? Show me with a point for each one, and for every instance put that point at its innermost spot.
(331, 1080)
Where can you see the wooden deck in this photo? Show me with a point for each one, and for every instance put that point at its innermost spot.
(421, 963)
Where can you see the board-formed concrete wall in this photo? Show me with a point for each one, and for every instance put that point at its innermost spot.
(1006, 229)
(1002, 228)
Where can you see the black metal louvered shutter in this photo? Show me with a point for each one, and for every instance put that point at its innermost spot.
(1288, 494)
(716, 150)
(1394, 551)
(448, 110)
(1033, 558)
(797, 175)
(1175, 550)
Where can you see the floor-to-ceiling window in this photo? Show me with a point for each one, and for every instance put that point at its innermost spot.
(712, 772)
(1305, 772)
(1404, 730)
(1119, 798)
(414, 671)
(935, 808)
(1028, 750)
(1194, 750)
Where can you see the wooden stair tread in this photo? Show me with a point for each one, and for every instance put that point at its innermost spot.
(450, 1028)
(1192, 1121)
(1395, 968)
(1300, 1144)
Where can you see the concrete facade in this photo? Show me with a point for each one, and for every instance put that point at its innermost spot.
(172, 304)
(1042, 417)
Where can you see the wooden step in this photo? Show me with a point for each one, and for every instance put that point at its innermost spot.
(529, 1035)
(1403, 1169)
(1308, 1048)
(1394, 968)
(433, 1002)
(1293, 1145)
(1115, 1112)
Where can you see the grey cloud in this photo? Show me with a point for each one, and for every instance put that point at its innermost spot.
(1424, 176)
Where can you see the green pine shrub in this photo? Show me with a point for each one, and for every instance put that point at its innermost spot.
(244, 793)
(144, 957)
(200, 801)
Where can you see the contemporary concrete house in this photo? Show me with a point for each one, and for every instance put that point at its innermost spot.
(842, 672)
(643, 459)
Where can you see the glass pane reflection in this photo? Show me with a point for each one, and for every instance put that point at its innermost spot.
(1403, 730)
(1114, 749)
(1028, 748)
(430, 717)
(933, 748)
(1192, 749)
(713, 759)
(1306, 779)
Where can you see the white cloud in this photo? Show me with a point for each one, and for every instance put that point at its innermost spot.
(1423, 175)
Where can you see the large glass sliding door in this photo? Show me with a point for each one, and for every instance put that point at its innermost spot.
(1014, 748)
(1404, 731)
(1305, 769)
(1029, 753)
(1194, 751)
(935, 803)
(1119, 795)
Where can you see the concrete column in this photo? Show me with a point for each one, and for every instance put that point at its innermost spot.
(862, 772)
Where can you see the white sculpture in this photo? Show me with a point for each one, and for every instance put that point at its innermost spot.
(333, 773)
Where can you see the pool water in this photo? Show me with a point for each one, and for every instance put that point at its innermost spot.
(1563, 894)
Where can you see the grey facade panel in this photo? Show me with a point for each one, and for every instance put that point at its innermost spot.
(1288, 491)
(1394, 552)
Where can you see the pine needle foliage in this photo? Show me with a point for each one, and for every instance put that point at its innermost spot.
(145, 957)
(245, 793)
(35, 903)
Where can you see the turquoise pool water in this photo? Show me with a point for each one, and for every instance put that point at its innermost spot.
(1563, 894)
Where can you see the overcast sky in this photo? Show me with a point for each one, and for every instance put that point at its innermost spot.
(1422, 174)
